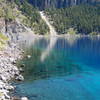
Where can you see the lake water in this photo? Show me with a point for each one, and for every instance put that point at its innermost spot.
(61, 69)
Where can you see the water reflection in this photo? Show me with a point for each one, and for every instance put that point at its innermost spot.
(60, 56)
(67, 71)
(49, 48)
(71, 40)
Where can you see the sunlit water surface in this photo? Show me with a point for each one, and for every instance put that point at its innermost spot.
(61, 69)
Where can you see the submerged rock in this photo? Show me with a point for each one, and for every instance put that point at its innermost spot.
(24, 98)
(9, 88)
(20, 78)
(23, 65)
(21, 70)
(15, 98)
(28, 56)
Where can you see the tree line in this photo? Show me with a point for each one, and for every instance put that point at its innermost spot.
(83, 18)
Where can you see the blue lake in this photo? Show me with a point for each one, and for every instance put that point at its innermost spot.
(61, 69)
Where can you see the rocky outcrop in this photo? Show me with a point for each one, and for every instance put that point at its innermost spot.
(2, 24)
(16, 31)
(8, 70)
(13, 29)
(59, 3)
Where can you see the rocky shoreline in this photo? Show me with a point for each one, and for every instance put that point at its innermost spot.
(9, 71)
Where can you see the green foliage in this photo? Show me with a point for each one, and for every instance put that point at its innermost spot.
(71, 31)
(3, 37)
(1, 12)
(84, 18)
(93, 33)
(6, 10)
(25, 13)
(33, 18)
(3, 40)
(9, 15)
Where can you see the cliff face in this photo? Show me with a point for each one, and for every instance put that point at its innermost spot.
(59, 3)
(11, 22)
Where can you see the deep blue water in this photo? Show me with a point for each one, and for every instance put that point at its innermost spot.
(61, 69)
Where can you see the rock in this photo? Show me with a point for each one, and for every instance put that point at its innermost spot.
(2, 97)
(9, 88)
(23, 65)
(22, 51)
(16, 74)
(14, 62)
(28, 56)
(7, 96)
(20, 78)
(21, 70)
(24, 98)
(11, 59)
(15, 98)
(3, 78)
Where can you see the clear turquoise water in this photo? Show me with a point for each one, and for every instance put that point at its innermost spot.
(61, 69)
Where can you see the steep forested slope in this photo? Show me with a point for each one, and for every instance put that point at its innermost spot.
(59, 3)
(84, 19)
(10, 10)
(33, 17)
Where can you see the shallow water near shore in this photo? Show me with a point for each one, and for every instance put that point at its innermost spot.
(61, 69)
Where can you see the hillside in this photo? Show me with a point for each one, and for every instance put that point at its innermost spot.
(84, 19)
(14, 12)
(19, 16)
(42, 4)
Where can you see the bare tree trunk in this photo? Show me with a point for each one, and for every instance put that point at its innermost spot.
(6, 25)
(6, 21)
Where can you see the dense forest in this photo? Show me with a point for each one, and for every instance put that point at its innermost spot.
(42, 4)
(32, 17)
(82, 19)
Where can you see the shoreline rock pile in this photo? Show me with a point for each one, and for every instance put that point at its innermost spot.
(9, 70)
